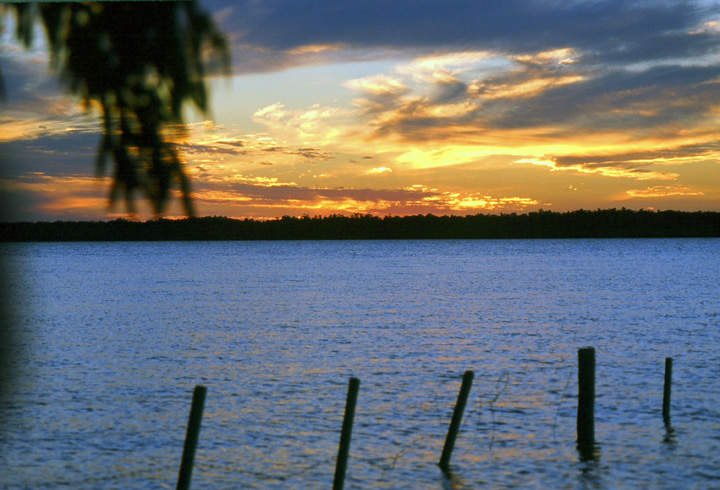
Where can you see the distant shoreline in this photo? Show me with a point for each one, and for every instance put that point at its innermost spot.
(610, 223)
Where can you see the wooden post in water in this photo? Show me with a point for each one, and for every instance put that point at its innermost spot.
(191, 438)
(586, 402)
(667, 390)
(456, 420)
(344, 448)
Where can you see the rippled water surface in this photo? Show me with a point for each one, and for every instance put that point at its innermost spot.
(114, 336)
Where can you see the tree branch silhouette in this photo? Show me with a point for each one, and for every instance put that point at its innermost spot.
(139, 63)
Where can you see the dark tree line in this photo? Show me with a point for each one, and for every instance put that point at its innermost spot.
(611, 223)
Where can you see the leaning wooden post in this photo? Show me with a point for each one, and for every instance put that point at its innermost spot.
(191, 438)
(344, 448)
(586, 401)
(667, 390)
(456, 420)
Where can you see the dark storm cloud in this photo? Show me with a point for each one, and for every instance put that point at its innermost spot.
(289, 193)
(57, 155)
(609, 31)
(632, 160)
(216, 149)
(235, 148)
(633, 99)
(27, 78)
(641, 99)
(636, 64)
(306, 152)
(22, 203)
(311, 153)
(447, 92)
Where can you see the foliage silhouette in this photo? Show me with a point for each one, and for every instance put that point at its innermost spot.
(139, 63)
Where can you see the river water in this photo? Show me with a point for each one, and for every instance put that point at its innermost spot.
(112, 338)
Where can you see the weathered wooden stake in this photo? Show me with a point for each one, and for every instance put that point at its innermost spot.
(344, 448)
(456, 420)
(667, 390)
(586, 401)
(191, 438)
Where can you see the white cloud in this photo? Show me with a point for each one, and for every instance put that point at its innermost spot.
(378, 85)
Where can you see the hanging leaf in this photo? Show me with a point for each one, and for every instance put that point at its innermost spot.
(141, 62)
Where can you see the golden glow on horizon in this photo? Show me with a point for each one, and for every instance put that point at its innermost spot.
(320, 201)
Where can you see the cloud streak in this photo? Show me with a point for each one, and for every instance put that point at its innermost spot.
(664, 191)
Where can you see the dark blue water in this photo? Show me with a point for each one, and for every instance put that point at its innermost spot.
(116, 335)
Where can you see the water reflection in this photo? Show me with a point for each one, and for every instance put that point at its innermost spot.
(590, 475)
(108, 382)
(589, 452)
(670, 437)
(450, 480)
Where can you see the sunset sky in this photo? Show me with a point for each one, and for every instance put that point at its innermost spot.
(396, 107)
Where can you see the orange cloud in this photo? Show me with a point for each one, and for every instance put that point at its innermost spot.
(528, 88)
(664, 191)
(561, 56)
(257, 181)
(79, 196)
(379, 171)
(58, 117)
(315, 49)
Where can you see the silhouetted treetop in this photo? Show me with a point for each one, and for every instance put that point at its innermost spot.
(139, 62)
